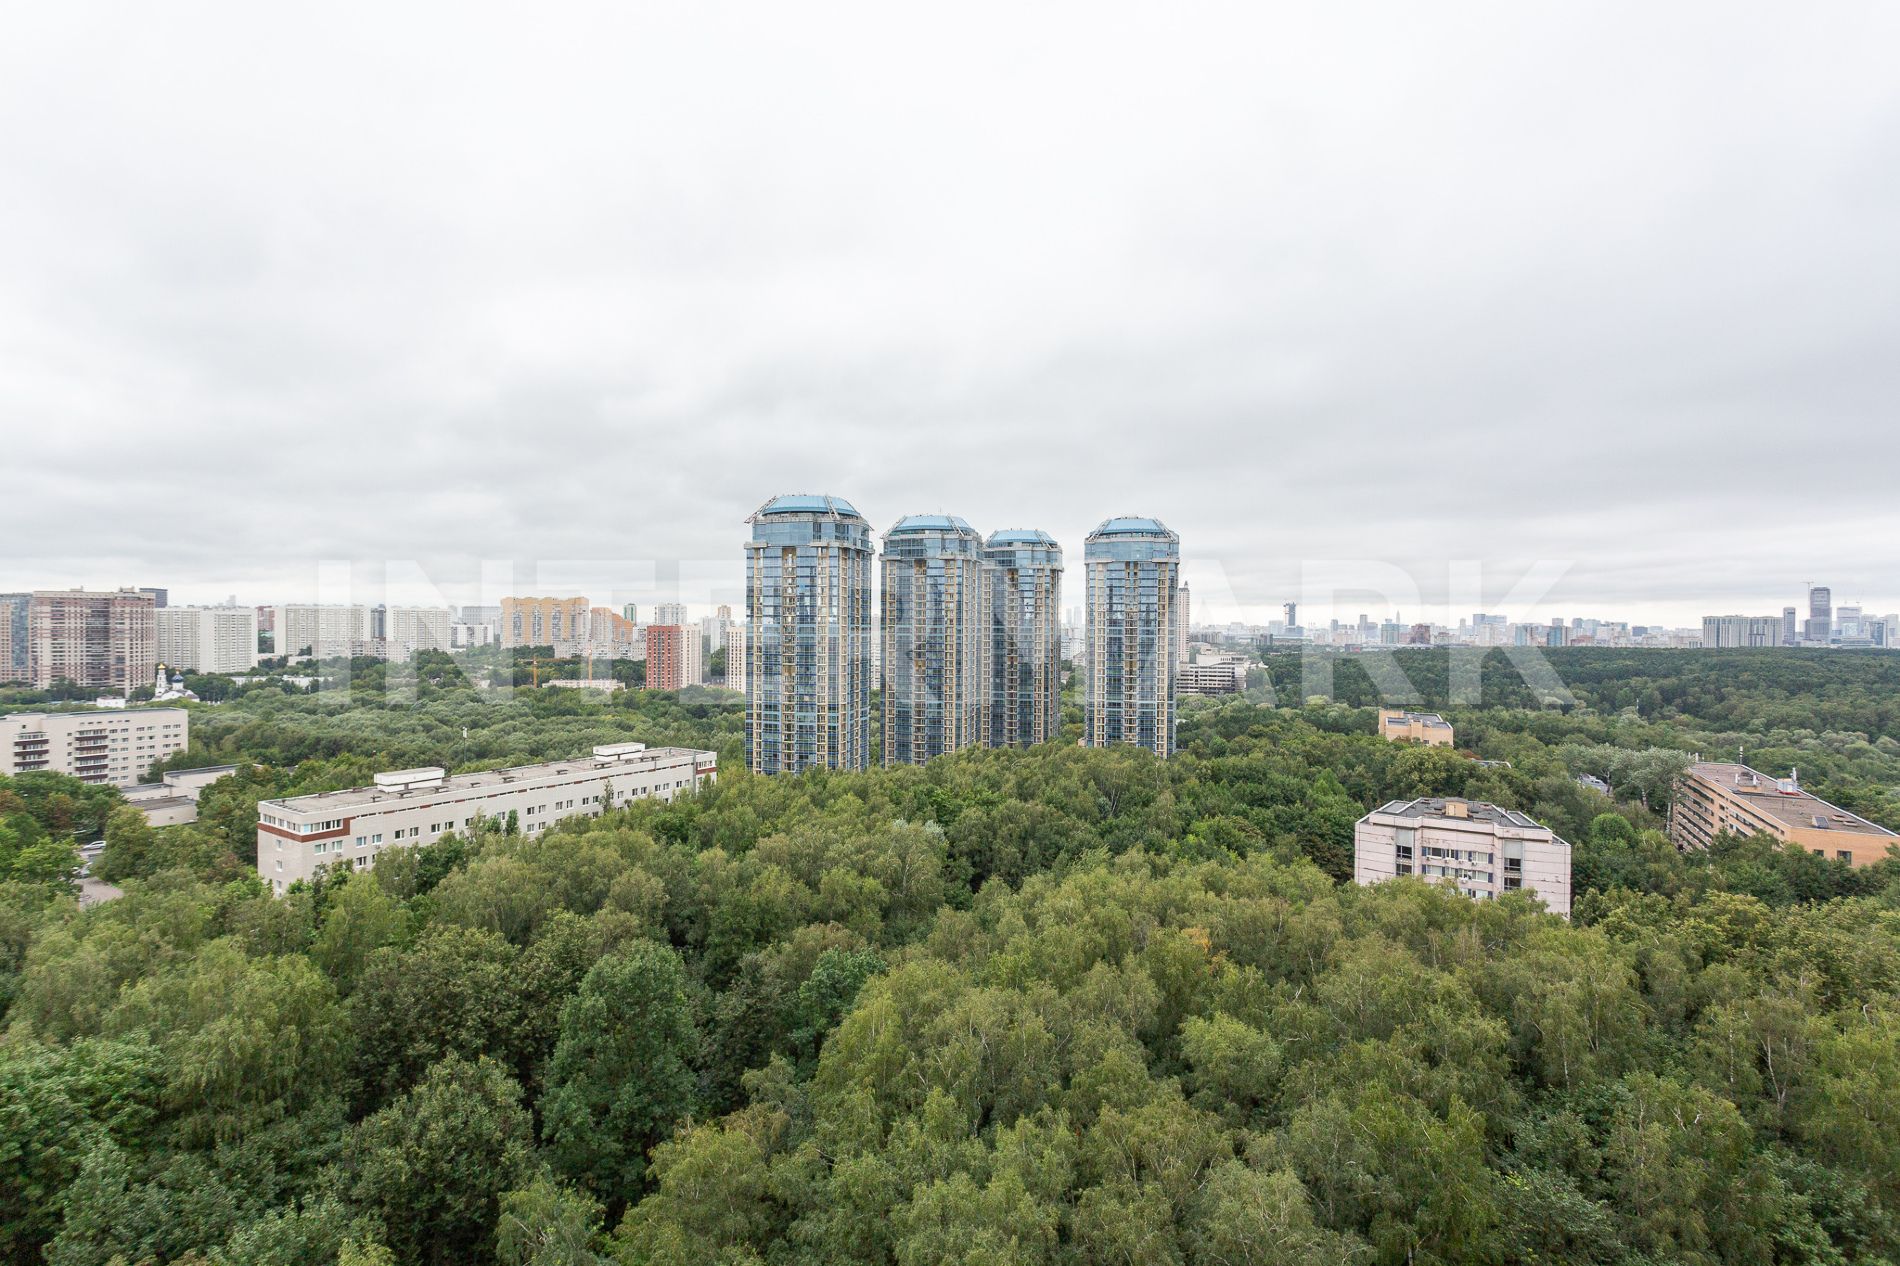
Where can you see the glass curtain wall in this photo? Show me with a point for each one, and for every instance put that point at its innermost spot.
(1022, 687)
(1133, 570)
(808, 636)
(932, 630)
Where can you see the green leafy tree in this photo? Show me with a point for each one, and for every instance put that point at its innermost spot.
(618, 1081)
(434, 1165)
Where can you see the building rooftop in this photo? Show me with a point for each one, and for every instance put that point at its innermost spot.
(1429, 719)
(808, 503)
(1784, 800)
(413, 784)
(1021, 536)
(1130, 526)
(932, 523)
(1452, 809)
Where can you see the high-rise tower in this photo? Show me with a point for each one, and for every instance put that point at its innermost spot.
(1022, 680)
(932, 633)
(1132, 568)
(808, 644)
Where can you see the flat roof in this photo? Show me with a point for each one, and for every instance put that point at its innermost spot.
(1794, 808)
(489, 779)
(1433, 807)
(1415, 718)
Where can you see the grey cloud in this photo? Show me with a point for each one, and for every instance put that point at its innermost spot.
(1598, 283)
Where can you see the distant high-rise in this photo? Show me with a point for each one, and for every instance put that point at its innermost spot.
(932, 632)
(673, 657)
(808, 646)
(14, 640)
(669, 613)
(1820, 625)
(1132, 569)
(1022, 680)
(1790, 627)
(107, 640)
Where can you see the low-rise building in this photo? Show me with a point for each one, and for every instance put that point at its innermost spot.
(300, 835)
(1481, 848)
(174, 801)
(1421, 727)
(1212, 675)
(1717, 796)
(111, 748)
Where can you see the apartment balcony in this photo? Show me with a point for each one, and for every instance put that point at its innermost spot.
(28, 766)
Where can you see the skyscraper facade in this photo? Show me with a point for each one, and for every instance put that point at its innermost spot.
(15, 641)
(1022, 679)
(933, 637)
(1132, 570)
(808, 616)
(1820, 625)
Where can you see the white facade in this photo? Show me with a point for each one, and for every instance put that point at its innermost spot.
(207, 639)
(668, 613)
(1483, 849)
(112, 748)
(411, 629)
(302, 834)
(462, 634)
(328, 631)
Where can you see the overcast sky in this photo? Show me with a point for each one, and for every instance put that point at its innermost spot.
(579, 288)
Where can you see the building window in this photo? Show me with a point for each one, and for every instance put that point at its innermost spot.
(1843, 855)
(1405, 868)
(1513, 881)
(376, 839)
(1405, 851)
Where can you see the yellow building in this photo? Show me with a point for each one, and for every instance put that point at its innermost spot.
(1421, 727)
(542, 621)
(1722, 796)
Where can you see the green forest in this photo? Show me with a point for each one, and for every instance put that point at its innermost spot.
(1048, 1005)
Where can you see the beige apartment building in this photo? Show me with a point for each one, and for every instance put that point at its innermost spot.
(543, 621)
(207, 639)
(112, 747)
(1481, 848)
(300, 835)
(108, 641)
(1718, 796)
(1421, 727)
(735, 656)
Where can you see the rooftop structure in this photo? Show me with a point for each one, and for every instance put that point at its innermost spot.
(1721, 796)
(1423, 727)
(300, 836)
(1483, 849)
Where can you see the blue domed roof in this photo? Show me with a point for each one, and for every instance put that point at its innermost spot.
(1021, 536)
(1131, 526)
(932, 523)
(809, 503)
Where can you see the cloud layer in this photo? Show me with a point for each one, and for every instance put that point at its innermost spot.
(1602, 283)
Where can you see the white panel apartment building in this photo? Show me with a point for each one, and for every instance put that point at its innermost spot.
(1485, 850)
(107, 748)
(207, 639)
(327, 630)
(411, 629)
(296, 836)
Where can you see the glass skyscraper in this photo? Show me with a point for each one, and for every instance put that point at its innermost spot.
(808, 643)
(933, 643)
(1133, 569)
(1022, 679)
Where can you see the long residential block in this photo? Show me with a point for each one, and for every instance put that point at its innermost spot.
(111, 747)
(300, 835)
(1717, 796)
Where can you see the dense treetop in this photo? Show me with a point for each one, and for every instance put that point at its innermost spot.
(1053, 1005)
